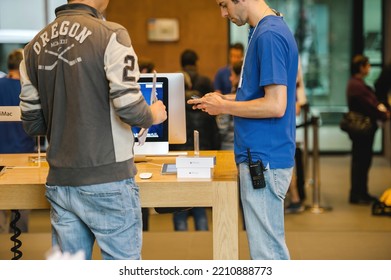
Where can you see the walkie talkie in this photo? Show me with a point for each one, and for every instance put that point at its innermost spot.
(256, 172)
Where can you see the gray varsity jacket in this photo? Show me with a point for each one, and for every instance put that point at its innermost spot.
(79, 87)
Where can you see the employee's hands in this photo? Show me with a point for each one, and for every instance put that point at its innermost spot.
(211, 103)
(159, 112)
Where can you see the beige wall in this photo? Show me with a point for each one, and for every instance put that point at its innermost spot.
(201, 28)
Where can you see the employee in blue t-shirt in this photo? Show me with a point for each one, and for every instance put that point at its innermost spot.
(13, 139)
(264, 122)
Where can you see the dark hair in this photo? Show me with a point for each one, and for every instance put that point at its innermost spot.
(189, 57)
(237, 46)
(14, 59)
(358, 61)
(146, 66)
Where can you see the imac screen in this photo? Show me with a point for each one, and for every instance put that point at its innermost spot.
(158, 132)
(177, 102)
(170, 88)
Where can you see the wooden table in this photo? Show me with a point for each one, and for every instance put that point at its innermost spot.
(22, 187)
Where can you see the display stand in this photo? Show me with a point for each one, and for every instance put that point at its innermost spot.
(314, 122)
(315, 207)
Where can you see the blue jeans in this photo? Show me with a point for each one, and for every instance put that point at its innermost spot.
(264, 213)
(109, 213)
(199, 215)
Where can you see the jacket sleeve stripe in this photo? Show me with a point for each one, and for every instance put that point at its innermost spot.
(124, 100)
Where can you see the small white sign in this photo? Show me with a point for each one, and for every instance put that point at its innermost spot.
(163, 29)
(10, 114)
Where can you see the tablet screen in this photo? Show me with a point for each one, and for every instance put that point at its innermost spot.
(169, 168)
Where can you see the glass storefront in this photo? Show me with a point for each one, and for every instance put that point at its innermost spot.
(20, 20)
(373, 41)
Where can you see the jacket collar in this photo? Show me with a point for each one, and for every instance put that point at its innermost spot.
(78, 9)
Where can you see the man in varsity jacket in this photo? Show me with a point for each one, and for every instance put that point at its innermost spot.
(79, 88)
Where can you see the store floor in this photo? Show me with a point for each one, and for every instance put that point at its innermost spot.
(345, 232)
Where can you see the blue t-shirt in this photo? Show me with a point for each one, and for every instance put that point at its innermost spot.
(13, 138)
(272, 58)
(222, 81)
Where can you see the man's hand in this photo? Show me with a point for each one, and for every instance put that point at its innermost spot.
(211, 103)
(159, 112)
(159, 115)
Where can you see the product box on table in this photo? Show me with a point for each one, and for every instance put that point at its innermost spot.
(195, 172)
(196, 161)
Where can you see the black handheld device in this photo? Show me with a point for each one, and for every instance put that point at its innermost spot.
(256, 172)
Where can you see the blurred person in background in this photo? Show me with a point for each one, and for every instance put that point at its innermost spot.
(361, 98)
(222, 81)
(197, 85)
